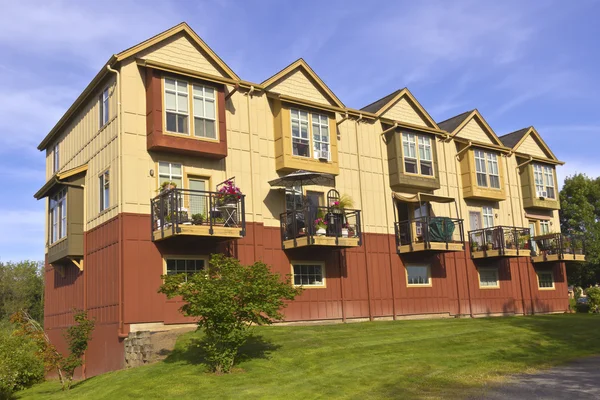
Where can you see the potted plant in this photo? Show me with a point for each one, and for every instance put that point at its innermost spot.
(344, 202)
(229, 193)
(473, 247)
(197, 219)
(524, 242)
(345, 230)
(321, 226)
(488, 246)
(167, 185)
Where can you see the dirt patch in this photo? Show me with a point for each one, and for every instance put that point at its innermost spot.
(163, 342)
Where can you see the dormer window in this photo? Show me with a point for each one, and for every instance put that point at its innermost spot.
(544, 181)
(486, 167)
(306, 127)
(420, 162)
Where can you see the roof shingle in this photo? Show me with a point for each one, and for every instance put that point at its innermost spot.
(451, 124)
(511, 139)
(378, 104)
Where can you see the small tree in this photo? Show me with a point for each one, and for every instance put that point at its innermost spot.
(228, 299)
(593, 295)
(77, 337)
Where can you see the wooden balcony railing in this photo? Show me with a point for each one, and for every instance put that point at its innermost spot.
(320, 226)
(430, 233)
(559, 247)
(197, 212)
(500, 241)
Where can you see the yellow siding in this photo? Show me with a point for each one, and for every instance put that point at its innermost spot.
(298, 84)
(531, 147)
(180, 51)
(474, 130)
(404, 111)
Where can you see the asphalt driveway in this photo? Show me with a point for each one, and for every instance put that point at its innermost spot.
(578, 380)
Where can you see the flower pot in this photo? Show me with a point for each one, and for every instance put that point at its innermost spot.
(321, 232)
(344, 232)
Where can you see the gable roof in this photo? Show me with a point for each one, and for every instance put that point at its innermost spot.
(303, 66)
(455, 124)
(379, 107)
(516, 138)
(116, 58)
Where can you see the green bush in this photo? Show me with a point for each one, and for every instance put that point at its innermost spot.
(577, 292)
(593, 295)
(19, 366)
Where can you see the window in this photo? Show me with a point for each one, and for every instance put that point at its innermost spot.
(176, 105)
(418, 275)
(301, 136)
(488, 216)
(545, 280)
(420, 162)
(104, 108)
(488, 278)
(204, 112)
(104, 191)
(58, 216)
(170, 172)
(320, 130)
(544, 227)
(293, 198)
(185, 266)
(486, 169)
(544, 181)
(309, 274)
(55, 159)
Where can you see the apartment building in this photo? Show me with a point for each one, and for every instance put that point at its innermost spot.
(168, 156)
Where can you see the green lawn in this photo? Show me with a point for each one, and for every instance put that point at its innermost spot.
(396, 359)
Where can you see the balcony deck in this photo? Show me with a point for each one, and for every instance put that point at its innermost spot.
(500, 241)
(439, 234)
(182, 212)
(559, 247)
(341, 228)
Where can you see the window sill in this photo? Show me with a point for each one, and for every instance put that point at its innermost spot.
(188, 136)
(310, 286)
(546, 288)
(489, 287)
(59, 241)
(418, 286)
(412, 174)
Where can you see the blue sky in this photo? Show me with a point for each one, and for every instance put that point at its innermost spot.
(520, 63)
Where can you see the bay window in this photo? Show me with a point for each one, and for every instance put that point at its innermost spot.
(306, 127)
(544, 181)
(58, 216)
(486, 169)
(420, 162)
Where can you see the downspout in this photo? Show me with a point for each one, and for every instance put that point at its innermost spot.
(362, 203)
(120, 329)
(512, 210)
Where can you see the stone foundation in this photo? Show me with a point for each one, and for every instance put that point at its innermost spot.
(138, 349)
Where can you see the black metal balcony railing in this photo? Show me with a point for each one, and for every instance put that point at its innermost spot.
(562, 245)
(500, 239)
(428, 230)
(311, 221)
(174, 208)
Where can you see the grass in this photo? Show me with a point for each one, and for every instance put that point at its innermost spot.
(449, 358)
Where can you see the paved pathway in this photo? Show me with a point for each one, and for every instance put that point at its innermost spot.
(579, 380)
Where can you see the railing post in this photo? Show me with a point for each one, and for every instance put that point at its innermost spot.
(210, 214)
(162, 216)
(243, 216)
(152, 203)
(359, 227)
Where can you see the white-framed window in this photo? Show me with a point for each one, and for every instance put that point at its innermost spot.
(55, 159)
(488, 216)
(308, 274)
(545, 279)
(488, 278)
(176, 106)
(58, 216)
(307, 126)
(544, 227)
(486, 169)
(185, 265)
(103, 108)
(104, 190)
(418, 275)
(320, 131)
(205, 111)
(170, 172)
(421, 161)
(544, 181)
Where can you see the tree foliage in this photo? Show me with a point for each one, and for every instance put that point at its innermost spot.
(593, 295)
(22, 288)
(580, 215)
(19, 366)
(227, 300)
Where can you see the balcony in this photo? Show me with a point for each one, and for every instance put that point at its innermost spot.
(178, 212)
(320, 226)
(500, 241)
(430, 234)
(558, 247)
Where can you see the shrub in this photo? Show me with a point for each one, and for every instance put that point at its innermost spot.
(593, 295)
(577, 292)
(228, 299)
(19, 366)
